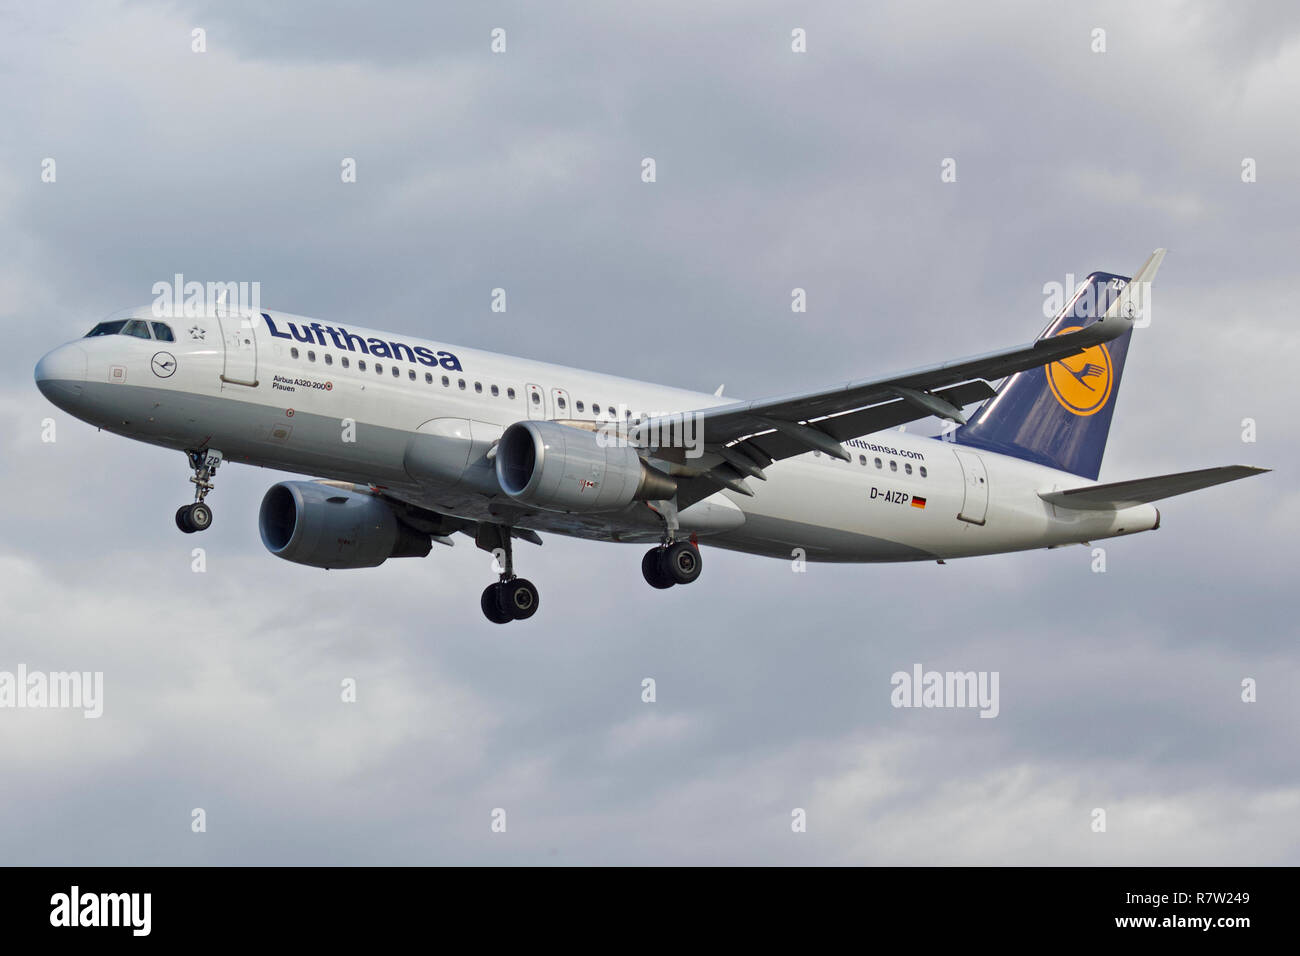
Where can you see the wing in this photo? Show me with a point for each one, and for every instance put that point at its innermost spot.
(743, 438)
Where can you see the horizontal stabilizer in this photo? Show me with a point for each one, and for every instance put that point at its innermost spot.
(1141, 491)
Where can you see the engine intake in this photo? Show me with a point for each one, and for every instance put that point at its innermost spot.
(561, 468)
(326, 527)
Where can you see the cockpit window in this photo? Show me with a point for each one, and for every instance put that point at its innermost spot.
(162, 333)
(106, 328)
(137, 327)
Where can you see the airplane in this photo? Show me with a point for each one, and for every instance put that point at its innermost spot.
(417, 441)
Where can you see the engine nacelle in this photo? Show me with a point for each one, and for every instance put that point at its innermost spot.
(327, 527)
(561, 468)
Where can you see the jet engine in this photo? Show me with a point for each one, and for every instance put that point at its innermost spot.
(561, 468)
(324, 526)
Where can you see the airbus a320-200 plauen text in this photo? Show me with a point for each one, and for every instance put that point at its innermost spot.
(418, 441)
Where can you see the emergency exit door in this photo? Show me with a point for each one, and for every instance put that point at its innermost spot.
(975, 504)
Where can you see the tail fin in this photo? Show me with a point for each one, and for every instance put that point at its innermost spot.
(1059, 415)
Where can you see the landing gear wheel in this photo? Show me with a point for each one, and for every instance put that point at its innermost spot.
(492, 606)
(183, 519)
(655, 571)
(518, 598)
(682, 562)
(200, 516)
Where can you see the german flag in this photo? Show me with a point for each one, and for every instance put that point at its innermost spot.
(918, 501)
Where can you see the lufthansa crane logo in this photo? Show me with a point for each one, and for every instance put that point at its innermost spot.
(163, 364)
(1082, 383)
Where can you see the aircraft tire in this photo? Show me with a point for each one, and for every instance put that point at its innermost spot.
(654, 570)
(490, 602)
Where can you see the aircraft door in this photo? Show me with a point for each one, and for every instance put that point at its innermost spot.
(535, 399)
(975, 504)
(239, 338)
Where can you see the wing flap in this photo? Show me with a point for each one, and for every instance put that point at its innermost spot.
(1141, 491)
(865, 421)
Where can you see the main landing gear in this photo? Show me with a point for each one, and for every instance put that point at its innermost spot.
(198, 516)
(511, 598)
(676, 562)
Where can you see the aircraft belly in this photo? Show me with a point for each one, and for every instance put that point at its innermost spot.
(251, 432)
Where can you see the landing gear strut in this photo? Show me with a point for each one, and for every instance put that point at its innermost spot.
(198, 516)
(511, 598)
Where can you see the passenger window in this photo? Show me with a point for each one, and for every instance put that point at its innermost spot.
(495, 391)
(311, 356)
(923, 473)
(329, 359)
(379, 369)
(862, 459)
(478, 387)
(879, 464)
(537, 399)
(510, 393)
(344, 360)
(428, 378)
(162, 332)
(461, 383)
(138, 328)
(893, 465)
(580, 408)
(907, 468)
(446, 382)
(293, 352)
(361, 364)
(595, 409)
(560, 401)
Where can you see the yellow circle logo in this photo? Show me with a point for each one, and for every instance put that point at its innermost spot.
(1082, 383)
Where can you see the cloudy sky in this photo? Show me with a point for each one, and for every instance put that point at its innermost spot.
(775, 170)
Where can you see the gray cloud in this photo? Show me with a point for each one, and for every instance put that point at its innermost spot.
(1119, 690)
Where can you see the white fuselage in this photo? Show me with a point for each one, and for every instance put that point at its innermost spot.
(309, 414)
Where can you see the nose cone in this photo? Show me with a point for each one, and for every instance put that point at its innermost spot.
(60, 374)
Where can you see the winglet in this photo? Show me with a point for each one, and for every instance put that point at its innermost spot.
(1134, 302)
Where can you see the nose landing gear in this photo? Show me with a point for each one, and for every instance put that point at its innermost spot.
(198, 516)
